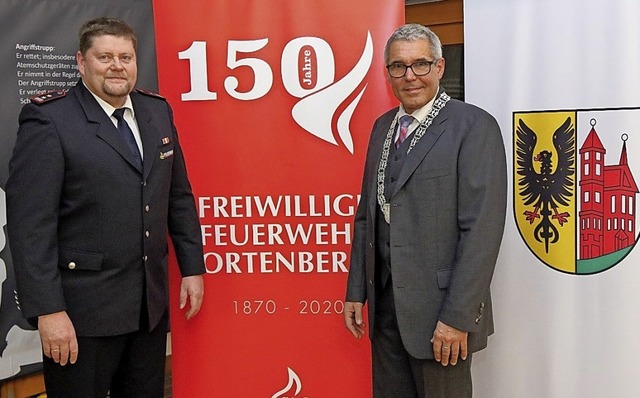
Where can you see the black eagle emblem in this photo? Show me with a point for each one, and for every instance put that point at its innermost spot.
(547, 189)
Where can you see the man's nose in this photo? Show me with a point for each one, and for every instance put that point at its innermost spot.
(116, 63)
(409, 75)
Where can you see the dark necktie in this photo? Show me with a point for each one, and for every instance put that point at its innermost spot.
(405, 121)
(127, 135)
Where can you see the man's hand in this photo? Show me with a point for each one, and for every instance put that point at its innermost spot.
(449, 344)
(353, 318)
(58, 337)
(192, 288)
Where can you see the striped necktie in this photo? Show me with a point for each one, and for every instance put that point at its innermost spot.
(405, 121)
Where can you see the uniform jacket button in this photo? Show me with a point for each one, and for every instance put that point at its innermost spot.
(72, 265)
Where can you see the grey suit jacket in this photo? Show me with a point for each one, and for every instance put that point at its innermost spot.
(447, 220)
(87, 229)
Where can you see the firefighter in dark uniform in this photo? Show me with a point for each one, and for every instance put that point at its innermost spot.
(97, 182)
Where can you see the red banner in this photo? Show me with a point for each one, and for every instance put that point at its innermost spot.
(274, 102)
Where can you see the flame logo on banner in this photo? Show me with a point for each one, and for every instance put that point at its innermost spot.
(294, 380)
(315, 112)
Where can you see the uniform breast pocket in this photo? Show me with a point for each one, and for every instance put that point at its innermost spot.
(166, 152)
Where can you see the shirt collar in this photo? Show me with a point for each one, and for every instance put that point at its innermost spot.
(421, 113)
(107, 107)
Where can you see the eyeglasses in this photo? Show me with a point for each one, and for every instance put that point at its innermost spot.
(419, 68)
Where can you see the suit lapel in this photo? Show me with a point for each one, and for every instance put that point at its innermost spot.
(422, 148)
(375, 154)
(106, 130)
(149, 133)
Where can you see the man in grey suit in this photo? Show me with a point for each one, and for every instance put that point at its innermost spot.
(427, 230)
(97, 182)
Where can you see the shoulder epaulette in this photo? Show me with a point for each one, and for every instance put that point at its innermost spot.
(48, 96)
(150, 93)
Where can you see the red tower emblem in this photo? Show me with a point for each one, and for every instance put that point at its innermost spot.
(608, 203)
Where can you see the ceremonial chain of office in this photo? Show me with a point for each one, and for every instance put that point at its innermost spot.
(440, 102)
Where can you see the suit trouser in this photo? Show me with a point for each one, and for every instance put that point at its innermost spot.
(396, 374)
(126, 366)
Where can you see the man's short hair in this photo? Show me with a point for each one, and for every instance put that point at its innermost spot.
(413, 32)
(104, 26)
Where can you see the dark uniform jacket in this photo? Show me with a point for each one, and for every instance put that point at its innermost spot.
(87, 230)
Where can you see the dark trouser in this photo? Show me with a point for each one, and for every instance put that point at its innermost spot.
(396, 374)
(128, 365)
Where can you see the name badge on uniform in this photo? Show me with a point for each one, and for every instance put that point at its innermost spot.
(164, 155)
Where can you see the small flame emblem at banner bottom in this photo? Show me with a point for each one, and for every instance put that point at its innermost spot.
(293, 388)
